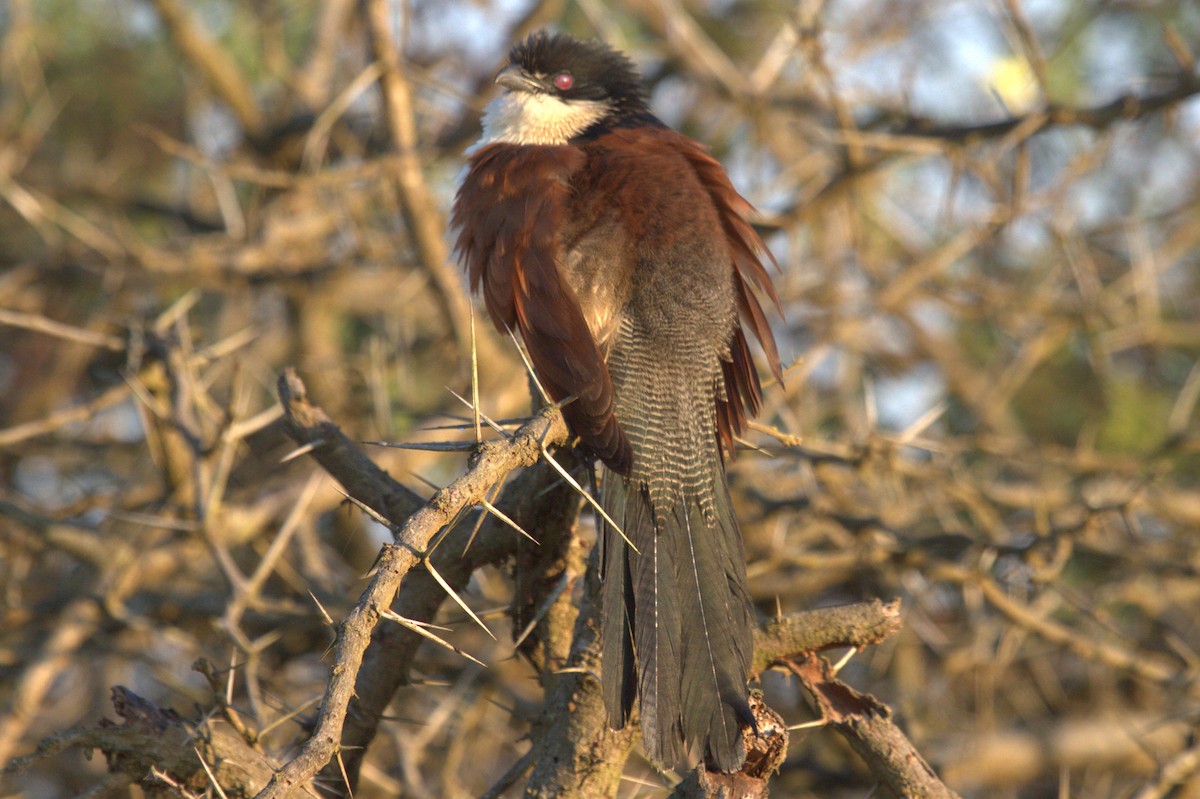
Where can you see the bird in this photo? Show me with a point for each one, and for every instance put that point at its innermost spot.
(621, 252)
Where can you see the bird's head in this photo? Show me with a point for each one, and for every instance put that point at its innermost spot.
(556, 86)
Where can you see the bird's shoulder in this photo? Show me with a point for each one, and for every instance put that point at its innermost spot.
(641, 142)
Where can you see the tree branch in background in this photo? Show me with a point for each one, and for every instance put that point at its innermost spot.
(892, 136)
(426, 224)
(217, 69)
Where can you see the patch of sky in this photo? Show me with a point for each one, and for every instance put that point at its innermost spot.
(755, 172)
(40, 479)
(378, 534)
(1026, 238)
(141, 20)
(672, 100)
(1046, 15)
(1114, 58)
(120, 424)
(1171, 165)
(1142, 175)
(918, 191)
(901, 400)
(955, 54)
(887, 336)
(476, 31)
(215, 130)
(1094, 199)
(1188, 116)
(932, 317)
(825, 373)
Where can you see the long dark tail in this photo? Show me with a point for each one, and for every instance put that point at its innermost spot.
(678, 624)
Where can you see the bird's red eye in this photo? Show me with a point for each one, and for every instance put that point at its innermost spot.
(563, 81)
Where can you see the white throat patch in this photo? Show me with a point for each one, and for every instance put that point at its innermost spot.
(517, 117)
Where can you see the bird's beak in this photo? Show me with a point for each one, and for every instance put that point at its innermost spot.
(512, 77)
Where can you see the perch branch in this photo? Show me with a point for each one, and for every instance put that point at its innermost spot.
(867, 726)
(493, 461)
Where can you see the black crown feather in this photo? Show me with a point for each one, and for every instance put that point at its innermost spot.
(600, 72)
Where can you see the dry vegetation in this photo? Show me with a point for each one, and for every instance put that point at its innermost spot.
(987, 217)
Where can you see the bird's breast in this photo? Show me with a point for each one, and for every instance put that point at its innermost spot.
(597, 266)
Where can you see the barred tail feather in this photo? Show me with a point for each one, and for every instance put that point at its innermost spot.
(717, 630)
(678, 621)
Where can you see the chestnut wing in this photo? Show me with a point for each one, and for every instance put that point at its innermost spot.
(509, 213)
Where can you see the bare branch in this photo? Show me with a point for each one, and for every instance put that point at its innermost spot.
(492, 463)
(212, 63)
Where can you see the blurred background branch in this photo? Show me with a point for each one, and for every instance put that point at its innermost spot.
(987, 218)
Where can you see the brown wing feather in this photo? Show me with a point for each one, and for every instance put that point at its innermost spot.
(509, 212)
(743, 391)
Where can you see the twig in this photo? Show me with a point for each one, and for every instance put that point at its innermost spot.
(918, 130)
(1172, 773)
(420, 208)
(867, 726)
(213, 63)
(860, 625)
(1147, 665)
(50, 327)
(78, 623)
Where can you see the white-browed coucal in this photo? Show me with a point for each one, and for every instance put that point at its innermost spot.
(622, 253)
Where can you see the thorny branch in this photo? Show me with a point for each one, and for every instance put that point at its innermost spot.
(491, 465)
